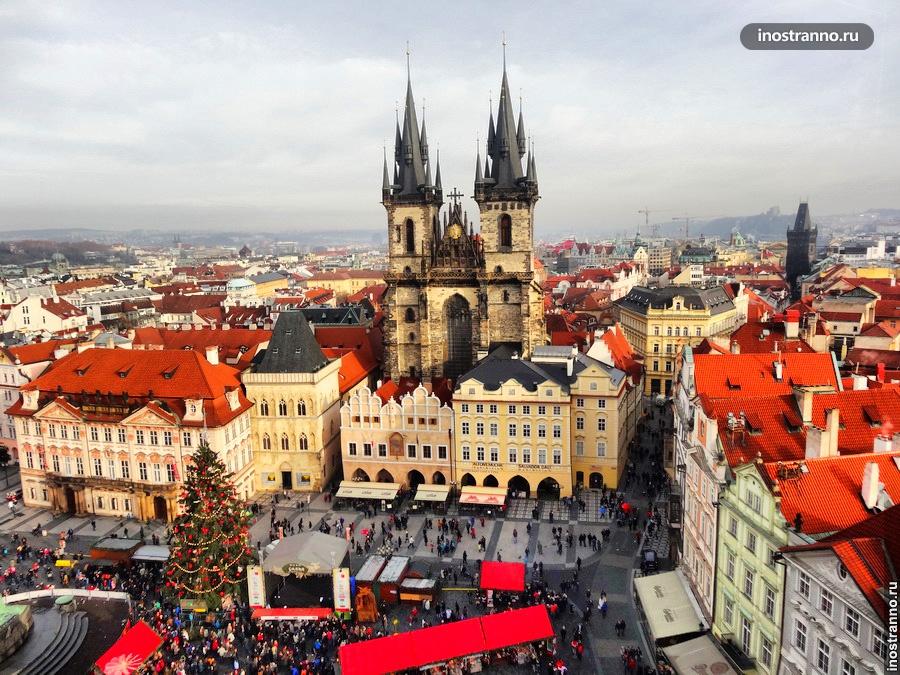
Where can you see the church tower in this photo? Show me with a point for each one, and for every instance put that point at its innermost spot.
(801, 248)
(506, 191)
(412, 201)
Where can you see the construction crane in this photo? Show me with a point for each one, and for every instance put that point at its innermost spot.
(654, 231)
(687, 222)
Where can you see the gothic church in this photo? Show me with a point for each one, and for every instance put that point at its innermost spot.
(454, 292)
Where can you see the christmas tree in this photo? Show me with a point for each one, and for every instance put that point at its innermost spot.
(209, 550)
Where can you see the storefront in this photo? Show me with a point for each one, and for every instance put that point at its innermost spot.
(357, 494)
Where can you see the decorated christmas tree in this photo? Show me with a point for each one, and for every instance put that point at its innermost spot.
(209, 551)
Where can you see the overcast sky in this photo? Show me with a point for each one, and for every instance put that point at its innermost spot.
(270, 114)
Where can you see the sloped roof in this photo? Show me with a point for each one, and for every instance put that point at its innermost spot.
(292, 347)
(747, 375)
(38, 351)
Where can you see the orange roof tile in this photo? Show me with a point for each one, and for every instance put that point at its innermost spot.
(747, 375)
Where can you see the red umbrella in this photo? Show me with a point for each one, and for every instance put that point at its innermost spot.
(626, 507)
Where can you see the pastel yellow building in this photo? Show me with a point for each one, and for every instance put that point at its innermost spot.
(659, 321)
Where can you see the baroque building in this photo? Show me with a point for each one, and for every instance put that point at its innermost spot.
(452, 292)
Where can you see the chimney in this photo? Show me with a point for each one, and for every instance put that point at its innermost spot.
(792, 324)
(30, 399)
(130, 334)
(860, 382)
(880, 375)
(870, 485)
(60, 353)
(110, 342)
(832, 427)
(778, 368)
(804, 399)
(883, 443)
(735, 347)
(82, 347)
(212, 355)
(570, 366)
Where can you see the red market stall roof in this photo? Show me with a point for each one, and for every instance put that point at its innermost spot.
(292, 613)
(444, 642)
(502, 576)
(130, 651)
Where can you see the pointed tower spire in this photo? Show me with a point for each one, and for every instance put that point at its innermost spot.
(437, 173)
(385, 180)
(506, 151)
(398, 141)
(479, 177)
(492, 133)
(410, 162)
(424, 136)
(520, 130)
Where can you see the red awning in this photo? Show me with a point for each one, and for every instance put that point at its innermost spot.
(489, 500)
(516, 627)
(130, 651)
(292, 613)
(444, 642)
(502, 576)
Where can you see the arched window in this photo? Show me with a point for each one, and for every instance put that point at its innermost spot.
(669, 331)
(498, 269)
(505, 231)
(397, 234)
(266, 442)
(410, 237)
(285, 442)
(264, 408)
(505, 296)
(410, 315)
(677, 331)
(301, 408)
(407, 270)
(303, 442)
(282, 408)
(412, 337)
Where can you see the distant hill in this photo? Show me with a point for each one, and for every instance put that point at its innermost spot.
(76, 252)
(769, 225)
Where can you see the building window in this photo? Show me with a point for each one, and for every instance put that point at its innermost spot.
(466, 453)
(749, 577)
(122, 436)
(51, 430)
(826, 602)
(479, 453)
(803, 585)
(410, 315)
(99, 502)
(601, 403)
(656, 365)
(494, 429)
(526, 409)
(54, 460)
(186, 438)
(765, 652)
(851, 622)
(167, 438)
(557, 455)
(139, 436)
(154, 438)
(479, 408)
(656, 330)
(526, 430)
(601, 424)
(170, 472)
(464, 428)
(410, 237)
(512, 455)
(542, 456)
(879, 644)
(557, 411)
(511, 409)
(495, 455)
(729, 565)
(579, 447)
(542, 431)
(464, 408)
(601, 448)
(656, 348)
(303, 442)
(769, 602)
(479, 428)
(142, 470)
(264, 408)
(301, 408)
(111, 467)
(351, 449)
(285, 442)
(282, 408)
(382, 449)
(95, 434)
(847, 668)
(526, 455)
(505, 231)
(732, 526)
(728, 614)
(800, 635)
(697, 332)
(512, 429)
(98, 467)
(579, 402)
(157, 473)
(29, 460)
(751, 542)
(79, 466)
(63, 431)
(557, 431)
(823, 655)
(426, 452)
(125, 469)
(266, 442)
(411, 450)
(442, 452)
(492, 408)
(542, 410)
(746, 634)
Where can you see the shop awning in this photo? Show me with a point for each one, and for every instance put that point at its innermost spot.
(516, 627)
(362, 490)
(699, 655)
(432, 493)
(130, 651)
(151, 553)
(488, 496)
(669, 609)
(444, 642)
(292, 613)
(502, 576)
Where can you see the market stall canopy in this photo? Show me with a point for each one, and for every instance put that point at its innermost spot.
(291, 613)
(502, 576)
(699, 655)
(432, 493)
(151, 553)
(488, 496)
(363, 490)
(305, 553)
(130, 651)
(439, 644)
(667, 606)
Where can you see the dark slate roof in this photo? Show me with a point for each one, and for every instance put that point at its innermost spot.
(803, 222)
(266, 277)
(292, 347)
(640, 298)
(500, 367)
(351, 315)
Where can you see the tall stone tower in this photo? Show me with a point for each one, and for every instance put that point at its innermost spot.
(453, 293)
(801, 251)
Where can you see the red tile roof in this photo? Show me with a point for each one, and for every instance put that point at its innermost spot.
(61, 308)
(841, 316)
(82, 284)
(883, 329)
(169, 376)
(39, 351)
(887, 309)
(376, 292)
(187, 304)
(346, 274)
(747, 375)
(753, 339)
(236, 343)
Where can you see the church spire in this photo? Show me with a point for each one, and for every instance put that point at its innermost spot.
(479, 177)
(411, 152)
(520, 131)
(385, 180)
(437, 172)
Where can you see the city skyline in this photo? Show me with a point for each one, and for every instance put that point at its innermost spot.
(203, 118)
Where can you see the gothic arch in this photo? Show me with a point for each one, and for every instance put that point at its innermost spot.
(458, 345)
(410, 236)
(505, 239)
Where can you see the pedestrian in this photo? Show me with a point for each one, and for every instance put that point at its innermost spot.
(515, 535)
(93, 524)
